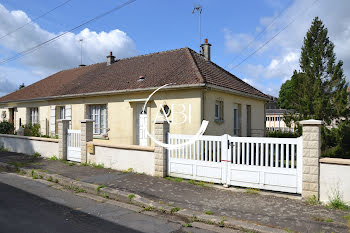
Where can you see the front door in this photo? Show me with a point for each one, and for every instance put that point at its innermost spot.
(141, 125)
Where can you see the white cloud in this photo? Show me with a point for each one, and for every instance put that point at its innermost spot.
(283, 52)
(236, 42)
(63, 53)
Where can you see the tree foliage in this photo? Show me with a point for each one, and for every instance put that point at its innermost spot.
(6, 127)
(319, 89)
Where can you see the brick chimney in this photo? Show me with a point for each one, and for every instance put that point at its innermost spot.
(110, 59)
(206, 49)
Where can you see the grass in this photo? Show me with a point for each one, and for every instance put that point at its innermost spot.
(36, 155)
(347, 217)
(252, 190)
(208, 212)
(75, 189)
(336, 202)
(54, 158)
(67, 162)
(131, 196)
(85, 164)
(100, 187)
(97, 165)
(222, 222)
(313, 200)
(17, 164)
(127, 171)
(176, 179)
(21, 172)
(187, 225)
(148, 208)
(105, 195)
(50, 179)
(56, 181)
(3, 149)
(174, 210)
(321, 219)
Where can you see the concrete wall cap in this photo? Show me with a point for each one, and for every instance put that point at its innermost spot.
(311, 122)
(86, 120)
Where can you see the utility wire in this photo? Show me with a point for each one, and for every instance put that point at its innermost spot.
(32, 21)
(36, 47)
(268, 41)
(259, 34)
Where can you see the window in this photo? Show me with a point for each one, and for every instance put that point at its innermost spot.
(219, 110)
(249, 120)
(235, 122)
(98, 113)
(267, 118)
(34, 115)
(61, 112)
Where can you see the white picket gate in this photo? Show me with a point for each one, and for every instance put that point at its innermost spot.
(73, 145)
(257, 162)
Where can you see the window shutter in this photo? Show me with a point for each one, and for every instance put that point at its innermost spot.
(53, 119)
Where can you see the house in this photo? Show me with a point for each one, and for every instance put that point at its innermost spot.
(113, 94)
(275, 122)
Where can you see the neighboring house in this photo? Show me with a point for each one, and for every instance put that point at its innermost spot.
(113, 95)
(274, 120)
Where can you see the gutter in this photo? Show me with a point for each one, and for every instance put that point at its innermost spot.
(104, 93)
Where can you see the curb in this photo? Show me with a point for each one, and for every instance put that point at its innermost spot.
(137, 200)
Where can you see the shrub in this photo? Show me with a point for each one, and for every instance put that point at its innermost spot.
(335, 141)
(6, 127)
(32, 130)
(281, 134)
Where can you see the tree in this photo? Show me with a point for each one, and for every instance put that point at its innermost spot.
(318, 90)
(21, 86)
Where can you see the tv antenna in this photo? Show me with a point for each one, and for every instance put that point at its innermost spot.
(81, 52)
(198, 9)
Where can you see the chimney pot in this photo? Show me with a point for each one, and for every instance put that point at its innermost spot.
(206, 49)
(110, 59)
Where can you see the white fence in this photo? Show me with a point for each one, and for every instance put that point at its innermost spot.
(264, 163)
(73, 145)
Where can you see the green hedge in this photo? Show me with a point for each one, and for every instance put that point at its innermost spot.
(6, 127)
(32, 130)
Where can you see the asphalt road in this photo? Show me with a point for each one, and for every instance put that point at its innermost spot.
(28, 205)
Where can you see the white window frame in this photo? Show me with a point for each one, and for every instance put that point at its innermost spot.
(98, 113)
(219, 110)
(236, 126)
(61, 112)
(34, 115)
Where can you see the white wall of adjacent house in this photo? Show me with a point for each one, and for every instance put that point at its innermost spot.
(274, 122)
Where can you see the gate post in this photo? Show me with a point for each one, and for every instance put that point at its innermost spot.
(311, 155)
(62, 138)
(86, 136)
(160, 153)
(224, 160)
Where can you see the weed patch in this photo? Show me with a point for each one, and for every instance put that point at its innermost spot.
(148, 208)
(336, 202)
(174, 210)
(208, 212)
(313, 200)
(97, 165)
(53, 158)
(321, 219)
(222, 222)
(131, 196)
(252, 191)
(36, 155)
(17, 164)
(49, 179)
(187, 225)
(105, 195)
(100, 187)
(3, 149)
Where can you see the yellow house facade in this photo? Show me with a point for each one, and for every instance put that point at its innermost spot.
(113, 95)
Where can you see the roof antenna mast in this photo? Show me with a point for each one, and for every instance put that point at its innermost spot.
(198, 9)
(81, 52)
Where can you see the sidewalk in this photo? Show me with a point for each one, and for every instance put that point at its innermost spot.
(268, 210)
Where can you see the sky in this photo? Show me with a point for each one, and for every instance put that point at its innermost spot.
(257, 40)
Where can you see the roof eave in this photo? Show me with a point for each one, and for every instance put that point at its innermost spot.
(103, 93)
(237, 92)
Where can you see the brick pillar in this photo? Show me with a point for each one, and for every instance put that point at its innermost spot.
(311, 155)
(86, 136)
(160, 153)
(62, 128)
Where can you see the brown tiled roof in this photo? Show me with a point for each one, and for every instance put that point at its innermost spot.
(181, 66)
